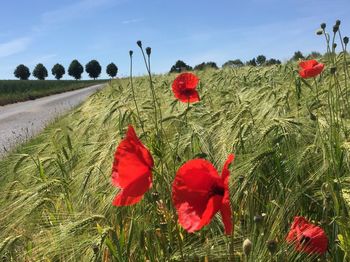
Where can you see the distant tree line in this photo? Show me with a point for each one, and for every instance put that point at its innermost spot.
(75, 70)
(260, 60)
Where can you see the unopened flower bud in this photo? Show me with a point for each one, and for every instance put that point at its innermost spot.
(323, 26)
(131, 52)
(346, 40)
(319, 32)
(247, 247)
(258, 219)
(272, 246)
(334, 45)
(337, 22)
(148, 51)
(155, 195)
(139, 43)
(335, 28)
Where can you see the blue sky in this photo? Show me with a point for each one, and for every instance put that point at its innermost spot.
(194, 31)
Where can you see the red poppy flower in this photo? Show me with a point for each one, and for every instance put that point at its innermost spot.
(132, 170)
(310, 68)
(199, 193)
(184, 87)
(307, 237)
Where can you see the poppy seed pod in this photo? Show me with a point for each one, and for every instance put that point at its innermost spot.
(139, 43)
(323, 26)
(148, 51)
(131, 52)
(346, 40)
(272, 246)
(337, 22)
(319, 32)
(247, 247)
(335, 28)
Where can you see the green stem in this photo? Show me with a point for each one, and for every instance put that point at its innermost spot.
(133, 95)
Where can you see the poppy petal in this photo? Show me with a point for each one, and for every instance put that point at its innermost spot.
(225, 171)
(226, 215)
(191, 193)
(132, 169)
(131, 159)
(192, 220)
(133, 192)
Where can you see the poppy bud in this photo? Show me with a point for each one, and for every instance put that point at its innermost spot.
(131, 52)
(272, 246)
(323, 26)
(247, 246)
(346, 40)
(334, 45)
(148, 51)
(139, 43)
(258, 219)
(333, 70)
(155, 195)
(313, 117)
(95, 248)
(337, 23)
(319, 32)
(335, 28)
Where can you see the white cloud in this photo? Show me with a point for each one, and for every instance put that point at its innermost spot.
(131, 21)
(14, 46)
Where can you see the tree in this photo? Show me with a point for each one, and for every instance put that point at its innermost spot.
(204, 65)
(314, 55)
(75, 69)
(22, 72)
(93, 68)
(112, 70)
(179, 67)
(272, 61)
(251, 62)
(260, 59)
(233, 63)
(40, 72)
(58, 71)
(298, 55)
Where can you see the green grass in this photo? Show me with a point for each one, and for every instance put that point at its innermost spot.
(12, 91)
(290, 138)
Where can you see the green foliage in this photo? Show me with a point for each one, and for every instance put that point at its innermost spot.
(206, 65)
(22, 72)
(180, 66)
(251, 62)
(298, 55)
(75, 69)
(314, 55)
(40, 72)
(93, 68)
(12, 91)
(58, 71)
(260, 60)
(272, 61)
(112, 70)
(233, 63)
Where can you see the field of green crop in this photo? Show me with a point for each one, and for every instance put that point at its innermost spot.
(292, 146)
(12, 91)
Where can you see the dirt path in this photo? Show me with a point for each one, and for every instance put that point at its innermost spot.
(21, 121)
